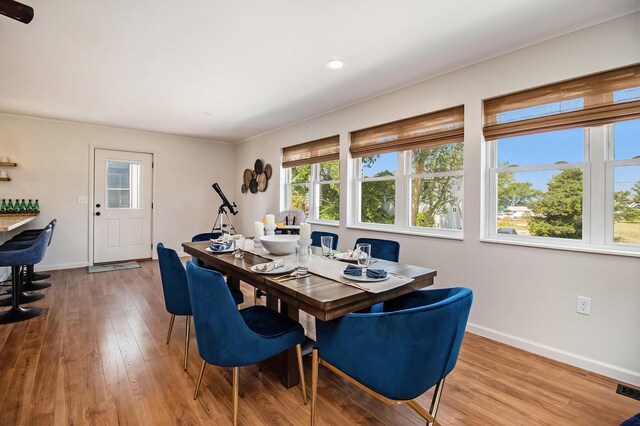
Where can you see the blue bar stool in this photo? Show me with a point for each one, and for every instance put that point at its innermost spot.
(30, 276)
(16, 257)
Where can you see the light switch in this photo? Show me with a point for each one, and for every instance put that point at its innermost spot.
(82, 200)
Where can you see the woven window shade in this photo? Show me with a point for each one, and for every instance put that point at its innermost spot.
(587, 101)
(436, 128)
(318, 151)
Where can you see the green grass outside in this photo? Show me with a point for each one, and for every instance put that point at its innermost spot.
(623, 232)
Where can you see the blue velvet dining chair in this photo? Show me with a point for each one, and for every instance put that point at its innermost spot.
(382, 249)
(398, 354)
(231, 338)
(317, 235)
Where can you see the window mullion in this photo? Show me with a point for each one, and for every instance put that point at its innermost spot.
(596, 192)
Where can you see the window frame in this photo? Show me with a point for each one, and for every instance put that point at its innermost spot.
(313, 186)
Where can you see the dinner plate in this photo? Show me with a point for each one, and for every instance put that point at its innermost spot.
(229, 250)
(363, 278)
(344, 257)
(281, 270)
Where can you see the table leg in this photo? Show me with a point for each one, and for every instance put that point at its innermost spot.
(233, 282)
(288, 360)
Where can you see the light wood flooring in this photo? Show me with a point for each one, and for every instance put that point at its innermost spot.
(98, 356)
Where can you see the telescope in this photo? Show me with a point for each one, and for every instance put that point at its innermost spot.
(223, 211)
(225, 201)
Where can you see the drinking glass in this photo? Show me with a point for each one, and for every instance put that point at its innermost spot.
(363, 254)
(326, 242)
(304, 257)
(238, 246)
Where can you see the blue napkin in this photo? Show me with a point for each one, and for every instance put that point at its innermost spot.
(356, 271)
(221, 247)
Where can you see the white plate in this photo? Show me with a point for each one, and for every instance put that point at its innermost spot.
(281, 270)
(363, 278)
(344, 257)
(229, 250)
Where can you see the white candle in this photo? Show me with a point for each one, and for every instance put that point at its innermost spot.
(258, 229)
(271, 220)
(305, 231)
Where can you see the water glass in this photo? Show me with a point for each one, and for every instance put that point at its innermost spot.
(363, 252)
(303, 252)
(238, 246)
(326, 242)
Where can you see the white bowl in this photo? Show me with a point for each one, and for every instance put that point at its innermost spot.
(280, 244)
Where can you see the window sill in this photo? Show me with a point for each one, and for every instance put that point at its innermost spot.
(323, 223)
(447, 236)
(565, 247)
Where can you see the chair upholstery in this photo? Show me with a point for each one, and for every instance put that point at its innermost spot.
(206, 236)
(403, 351)
(174, 282)
(317, 235)
(382, 249)
(298, 215)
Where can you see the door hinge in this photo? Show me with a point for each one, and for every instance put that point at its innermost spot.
(151, 205)
(151, 246)
(153, 164)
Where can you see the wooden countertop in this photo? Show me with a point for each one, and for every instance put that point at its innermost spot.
(11, 222)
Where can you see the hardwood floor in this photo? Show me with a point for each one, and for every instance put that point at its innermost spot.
(98, 356)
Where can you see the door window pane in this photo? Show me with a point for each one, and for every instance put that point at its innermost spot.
(443, 158)
(329, 208)
(124, 184)
(626, 139)
(542, 148)
(380, 165)
(378, 202)
(436, 202)
(543, 203)
(626, 205)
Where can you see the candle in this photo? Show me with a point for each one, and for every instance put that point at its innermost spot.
(305, 231)
(258, 229)
(271, 220)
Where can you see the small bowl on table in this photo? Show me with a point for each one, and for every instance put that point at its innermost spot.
(280, 245)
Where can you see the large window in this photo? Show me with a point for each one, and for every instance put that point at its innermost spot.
(564, 163)
(409, 174)
(312, 179)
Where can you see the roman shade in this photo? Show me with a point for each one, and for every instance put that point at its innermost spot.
(436, 128)
(318, 151)
(593, 100)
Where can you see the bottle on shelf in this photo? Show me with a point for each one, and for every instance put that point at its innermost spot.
(36, 206)
(30, 206)
(23, 206)
(10, 208)
(3, 206)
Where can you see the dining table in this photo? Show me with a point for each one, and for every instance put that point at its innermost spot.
(324, 298)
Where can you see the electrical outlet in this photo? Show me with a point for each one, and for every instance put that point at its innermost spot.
(583, 305)
(82, 200)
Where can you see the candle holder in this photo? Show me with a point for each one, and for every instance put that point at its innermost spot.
(269, 229)
(257, 244)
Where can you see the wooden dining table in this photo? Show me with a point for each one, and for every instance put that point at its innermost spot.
(321, 297)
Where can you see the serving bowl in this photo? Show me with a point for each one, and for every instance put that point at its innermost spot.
(280, 245)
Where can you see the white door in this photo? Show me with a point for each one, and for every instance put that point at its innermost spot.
(122, 206)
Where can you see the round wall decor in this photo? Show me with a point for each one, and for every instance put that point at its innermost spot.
(256, 180)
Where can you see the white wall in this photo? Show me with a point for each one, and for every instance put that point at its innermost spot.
(53, 166)
(523, 296)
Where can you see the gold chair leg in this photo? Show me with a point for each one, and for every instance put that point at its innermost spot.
(195, 394)
(314, 384)
(435, 402)
(173, 318)
(301, 371)
(186, 341)
(235, 396)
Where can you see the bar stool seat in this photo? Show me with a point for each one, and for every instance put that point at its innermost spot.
(31, 276)
(17, 255)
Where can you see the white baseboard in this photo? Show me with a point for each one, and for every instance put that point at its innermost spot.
(58, 266)
(615, 372)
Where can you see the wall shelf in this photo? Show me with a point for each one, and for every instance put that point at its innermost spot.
(5, 179)
(9, 164)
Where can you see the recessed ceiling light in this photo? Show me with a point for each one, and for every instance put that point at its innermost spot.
(206, 113)
(335, 64)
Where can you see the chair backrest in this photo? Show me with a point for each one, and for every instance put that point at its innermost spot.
(28, 254)
(404, 350)
(205, 236)
(291, 214)
(223, 337)
(316, 235)
(382, 249)
(174, 282)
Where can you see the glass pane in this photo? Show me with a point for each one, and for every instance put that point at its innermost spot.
(378, 203)
(626, 205)
(300, 174)
(436, 202)
(544, 203)
(380, 165)
(626, 139)
(118, 199)
(542, 148)
(330, 170)
(124, 184)
(443, 158)
(300, 198)
(329, 208)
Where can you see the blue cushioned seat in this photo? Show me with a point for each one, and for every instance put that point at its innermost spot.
(231, 338)
(401, 352)
(317, 235)
(31, 276)
(382, 249)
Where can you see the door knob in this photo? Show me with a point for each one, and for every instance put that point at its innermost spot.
(98, 205)
(97, 213)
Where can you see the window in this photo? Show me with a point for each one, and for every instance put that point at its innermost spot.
(124, 184)
(312, 176)
(564, 163)
(409, 174)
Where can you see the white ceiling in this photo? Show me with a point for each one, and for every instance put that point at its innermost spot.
(254, 65)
